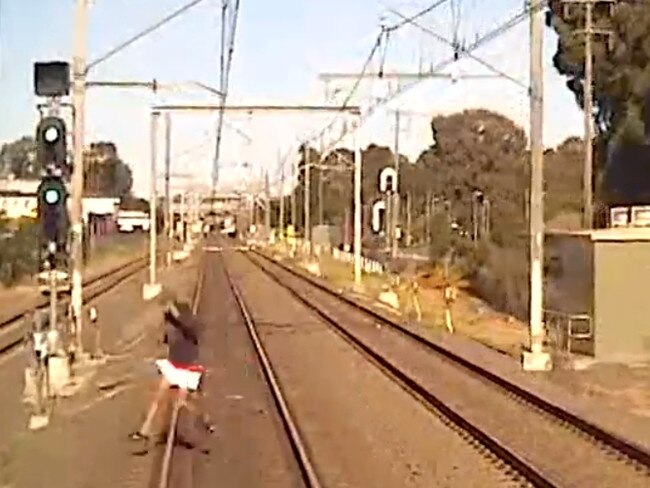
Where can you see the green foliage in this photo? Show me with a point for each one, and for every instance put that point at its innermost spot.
(621, 62)
(563, 168)
(129, 202)
(19, 242)
(18, 158)
(473, 150)
(478, 150)
(105, 174)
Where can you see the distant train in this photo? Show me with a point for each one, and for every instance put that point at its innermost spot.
(229, 226)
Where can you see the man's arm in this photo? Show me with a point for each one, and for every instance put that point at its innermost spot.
(180, 324)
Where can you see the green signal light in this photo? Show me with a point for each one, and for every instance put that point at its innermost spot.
(51, 134)
(52, 197)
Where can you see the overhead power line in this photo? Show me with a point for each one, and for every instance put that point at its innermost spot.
(460, 49)
(416, 16)
(226, 65)
(480, 42)
(383, 36)
(176, 13)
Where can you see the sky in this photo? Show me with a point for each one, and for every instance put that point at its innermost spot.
(281, 47)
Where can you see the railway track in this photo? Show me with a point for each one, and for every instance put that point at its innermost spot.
(12, 327)
(308, 472)
(173, 467)
(544, 444)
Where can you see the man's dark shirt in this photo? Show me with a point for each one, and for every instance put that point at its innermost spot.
(182, 337)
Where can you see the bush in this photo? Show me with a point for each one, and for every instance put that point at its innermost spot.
(502, 279)
(462, 254)
(18, 250)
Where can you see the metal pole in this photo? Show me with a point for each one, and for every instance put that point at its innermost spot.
(321, 197)
(357, 206)
(76, 210)
(321, 203)
(588, 216)
(152, 201)
(536, 359)
(408, 219)
(294, 189)
(395, 196)
(53, 299)
(251, 212)
(427, 218)
(281, 222)
(307, 196)
(267, 197)
(168, 207)
(182, 226)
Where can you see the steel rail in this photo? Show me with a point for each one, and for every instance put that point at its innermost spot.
(298, 446)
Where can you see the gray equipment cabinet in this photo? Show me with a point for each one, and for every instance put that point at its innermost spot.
(597, 293)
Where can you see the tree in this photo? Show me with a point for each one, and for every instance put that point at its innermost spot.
(338, 179)
(129, 202)
(18, 158)
(563, 183)
(105, 174)
(621, 63)
(478, 151)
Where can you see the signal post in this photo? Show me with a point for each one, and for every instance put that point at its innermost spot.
(51, 81)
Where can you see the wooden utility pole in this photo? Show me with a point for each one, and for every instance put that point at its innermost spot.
(588, 32)
(79, 70)
(536, 359)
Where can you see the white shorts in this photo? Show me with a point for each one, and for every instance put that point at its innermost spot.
(182, 378)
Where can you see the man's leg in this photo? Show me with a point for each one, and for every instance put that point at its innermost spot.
(193, 401)
(163, 389)
(190, 434)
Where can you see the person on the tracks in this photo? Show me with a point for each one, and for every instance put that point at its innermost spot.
(181, 369)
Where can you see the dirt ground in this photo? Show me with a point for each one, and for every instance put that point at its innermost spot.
(86, 443)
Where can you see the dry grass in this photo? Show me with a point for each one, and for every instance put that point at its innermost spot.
(118, 248)
(471, 316)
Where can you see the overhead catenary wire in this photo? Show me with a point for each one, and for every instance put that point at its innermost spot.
(176, 13)
(383, 36)
(416, 16)
(478, 43)
(458, 49)
(225, 77)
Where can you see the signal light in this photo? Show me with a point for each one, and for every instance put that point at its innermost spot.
(51, 142)
(53, 217)
(52, 79)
